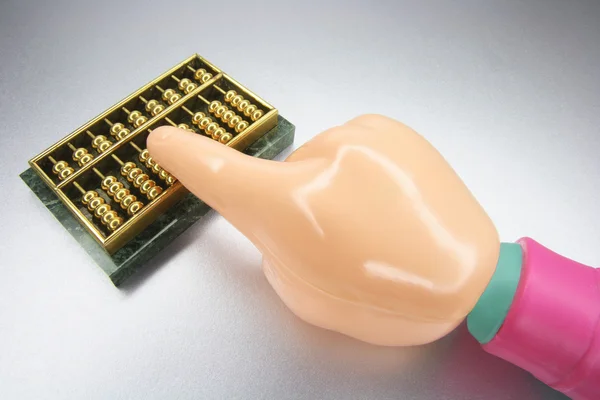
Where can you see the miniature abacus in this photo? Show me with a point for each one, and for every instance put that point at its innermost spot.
(105, 175)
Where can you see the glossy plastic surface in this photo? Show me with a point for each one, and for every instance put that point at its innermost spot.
(365, 229)
(553, 326)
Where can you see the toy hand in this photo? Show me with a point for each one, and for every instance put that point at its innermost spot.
(365, 229)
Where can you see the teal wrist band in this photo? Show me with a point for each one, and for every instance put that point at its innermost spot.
(489, 313)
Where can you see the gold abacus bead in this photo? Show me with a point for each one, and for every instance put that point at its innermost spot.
(230, 95)
(127, 200)
(158, 109)
(183, 126)
(174, 98)
(64, 173)
(234, 121)
(167, 94)
(156, 168)
(212, 107)
(220, 111)
(134, 173)
(227, 115)
(108, 216)
(114, 188)
(147, 185)
(85, 159)
(211, 128)
(241, 126)
(162, 174)
(95, 203)
(120, 194)
(218, 133)
(236, 100)
(198, 117)
(134, 115)
(101, 143)
(170, 180)
(98, 140)
(206, 77)
(250, 110)
(144, 155)
(141, 178)
(134, 207)
(199, 73)
(123, 133)
(115, 223)
(243, 104)
(116, 128)
(101, 210)
(127, 167)
(154, 192)
(104, 146)
(88, 196)
(80, 152)
(183, 83)
(140, 121)
(226, 137)
(151, 104)
(204, 122)
(190, 87)
(106, 182)
(256, 115)
(59, 166)
(150, 162)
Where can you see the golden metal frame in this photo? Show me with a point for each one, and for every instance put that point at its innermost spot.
(135, 224)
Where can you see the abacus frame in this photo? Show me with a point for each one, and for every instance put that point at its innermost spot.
(172, 194)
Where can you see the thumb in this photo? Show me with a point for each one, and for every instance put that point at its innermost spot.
(232, 183)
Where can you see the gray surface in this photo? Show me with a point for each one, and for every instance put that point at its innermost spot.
(509, 91)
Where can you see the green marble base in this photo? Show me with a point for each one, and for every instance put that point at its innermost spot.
(165, 228)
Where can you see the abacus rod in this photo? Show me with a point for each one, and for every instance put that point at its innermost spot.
(159, 88)
(100, 174)
(190, 68)
(71, 146)
(219, 89)
(171, 122)
(108, 122)
(135, 146)
(52, 159)
(126, 110)
(176, 78)
(143, 99)
(90, 134)
(203, 99)
(187, 110)
(78, 187)
(117, 159)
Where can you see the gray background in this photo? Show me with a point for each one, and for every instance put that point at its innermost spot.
(509, 91)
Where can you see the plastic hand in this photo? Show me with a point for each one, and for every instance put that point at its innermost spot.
(365, 229)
